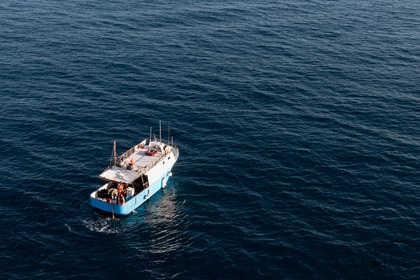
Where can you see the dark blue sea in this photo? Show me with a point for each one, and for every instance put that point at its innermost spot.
(297, 124)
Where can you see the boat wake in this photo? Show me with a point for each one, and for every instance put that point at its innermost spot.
(106, 225)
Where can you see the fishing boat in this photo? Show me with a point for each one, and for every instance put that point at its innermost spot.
(135, 176)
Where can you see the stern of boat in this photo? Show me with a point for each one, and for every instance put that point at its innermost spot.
(111, 207)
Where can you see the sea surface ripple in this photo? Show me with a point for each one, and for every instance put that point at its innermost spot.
(297, 123)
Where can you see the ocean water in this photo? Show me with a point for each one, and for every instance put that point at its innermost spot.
(297, 123)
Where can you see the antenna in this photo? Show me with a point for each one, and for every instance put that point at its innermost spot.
(150, 135)
(169, 129)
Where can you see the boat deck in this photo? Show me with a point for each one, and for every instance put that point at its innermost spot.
(132, 164)
(140, 159)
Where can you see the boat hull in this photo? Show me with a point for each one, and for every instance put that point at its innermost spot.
(158, 176)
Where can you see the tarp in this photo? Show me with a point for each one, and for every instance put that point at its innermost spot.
(120, 175)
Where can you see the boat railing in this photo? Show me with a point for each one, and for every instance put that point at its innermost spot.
(132, 150)
(144, 169)
(163, 156)
(149, 166)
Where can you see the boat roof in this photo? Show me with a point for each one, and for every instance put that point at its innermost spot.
(120, 175)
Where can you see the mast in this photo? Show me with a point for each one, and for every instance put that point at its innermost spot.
(160, 131)
(114, 151)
